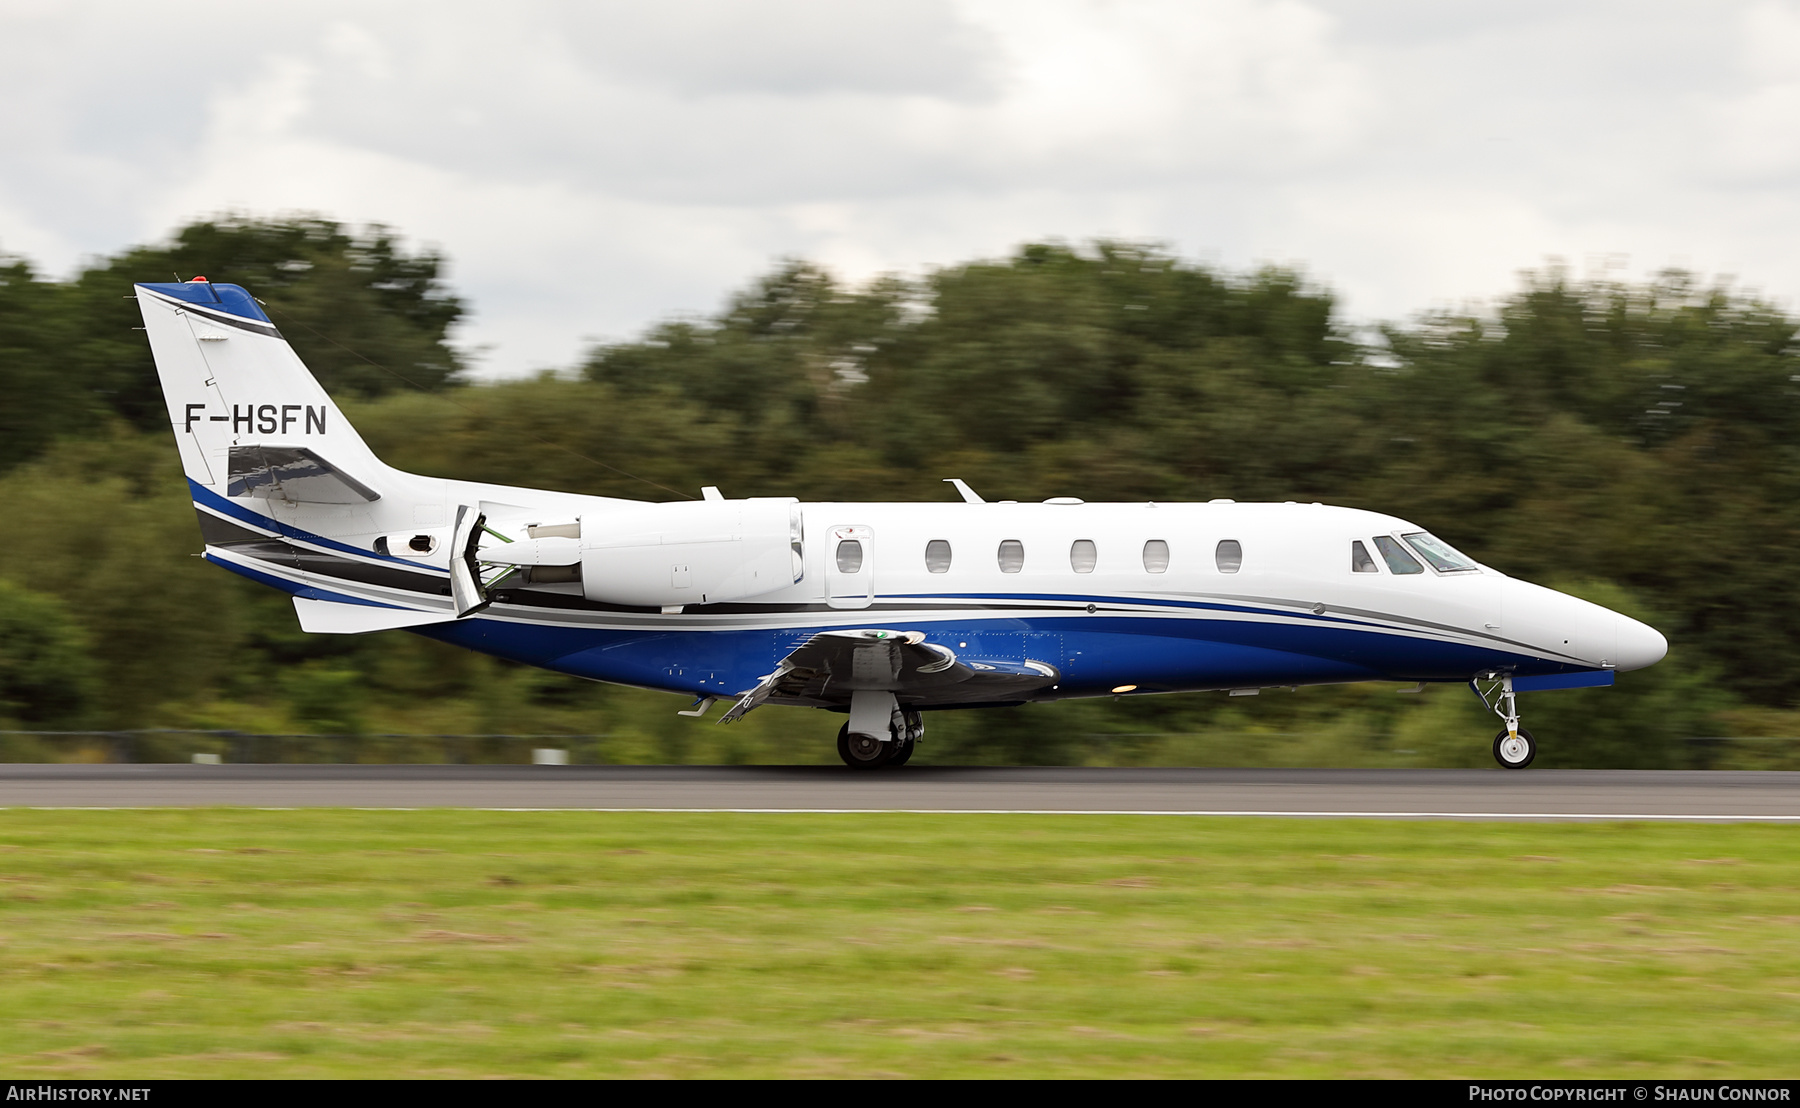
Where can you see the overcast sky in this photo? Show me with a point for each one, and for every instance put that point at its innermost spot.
(590, 168)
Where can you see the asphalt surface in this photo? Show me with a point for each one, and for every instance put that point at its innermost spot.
(1464, 794)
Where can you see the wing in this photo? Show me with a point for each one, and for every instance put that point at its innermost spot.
(831, 665)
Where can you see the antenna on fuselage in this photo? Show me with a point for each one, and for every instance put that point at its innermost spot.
(969, 495)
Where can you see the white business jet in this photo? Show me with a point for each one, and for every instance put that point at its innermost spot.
(881, 611)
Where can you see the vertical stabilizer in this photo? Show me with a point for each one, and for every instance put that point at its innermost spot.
(249, 418)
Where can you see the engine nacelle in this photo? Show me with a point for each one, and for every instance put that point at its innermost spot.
(692, 552)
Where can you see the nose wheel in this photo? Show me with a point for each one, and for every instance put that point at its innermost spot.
(1514, 747)
(1514, 751)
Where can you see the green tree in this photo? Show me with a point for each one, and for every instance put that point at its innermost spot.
(367, 316)
(107, 528)
(46, 672)
(43, 400)
(1637, 437)
(325, 698)
(1643, 722)
(1646, 435)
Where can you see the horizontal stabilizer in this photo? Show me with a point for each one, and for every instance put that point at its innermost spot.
(294, 474)
(328, 617)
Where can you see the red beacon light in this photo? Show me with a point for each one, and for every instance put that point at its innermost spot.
(198, 281)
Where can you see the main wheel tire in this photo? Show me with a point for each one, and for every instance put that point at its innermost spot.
(903, 751)
(863, 751)
(1515, 753)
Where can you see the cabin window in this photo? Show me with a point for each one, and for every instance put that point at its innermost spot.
(849, 556)
(1360, 562)
(1012, 556)
(1441, 555)
(1083, 556)
(1396, 557)
(1156, 556)
(937, 556)
(1229, 556)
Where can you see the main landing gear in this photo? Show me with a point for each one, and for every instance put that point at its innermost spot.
(859, 751)
(1514, 748)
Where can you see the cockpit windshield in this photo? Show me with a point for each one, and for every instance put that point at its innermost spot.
(1396, 557)
(1443, 557)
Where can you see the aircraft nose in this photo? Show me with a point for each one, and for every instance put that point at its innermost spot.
(1640, 644)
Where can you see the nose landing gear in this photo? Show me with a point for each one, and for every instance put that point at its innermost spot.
(1514, 748)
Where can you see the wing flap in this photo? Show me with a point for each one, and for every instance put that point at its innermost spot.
(826, 669)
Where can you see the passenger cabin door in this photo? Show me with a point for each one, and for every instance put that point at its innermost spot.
(850, 566)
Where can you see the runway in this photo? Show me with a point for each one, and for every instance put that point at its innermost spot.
(1381, 793)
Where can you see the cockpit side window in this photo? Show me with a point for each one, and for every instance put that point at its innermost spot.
(1396, 557)
(1360, 562)
(1443, 557)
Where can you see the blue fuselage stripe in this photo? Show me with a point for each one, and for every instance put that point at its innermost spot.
(308, 592)
(1103, 653)
(205, 497)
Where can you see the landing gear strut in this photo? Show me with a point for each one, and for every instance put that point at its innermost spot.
(907, 736)
(859, 751)
(1514, 748)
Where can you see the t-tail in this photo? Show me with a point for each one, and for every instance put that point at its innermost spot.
(248, 416)
(287, 492)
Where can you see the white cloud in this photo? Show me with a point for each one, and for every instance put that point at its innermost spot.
(592, 167)
(1756, 135)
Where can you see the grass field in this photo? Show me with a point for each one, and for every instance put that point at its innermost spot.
(190, 943)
